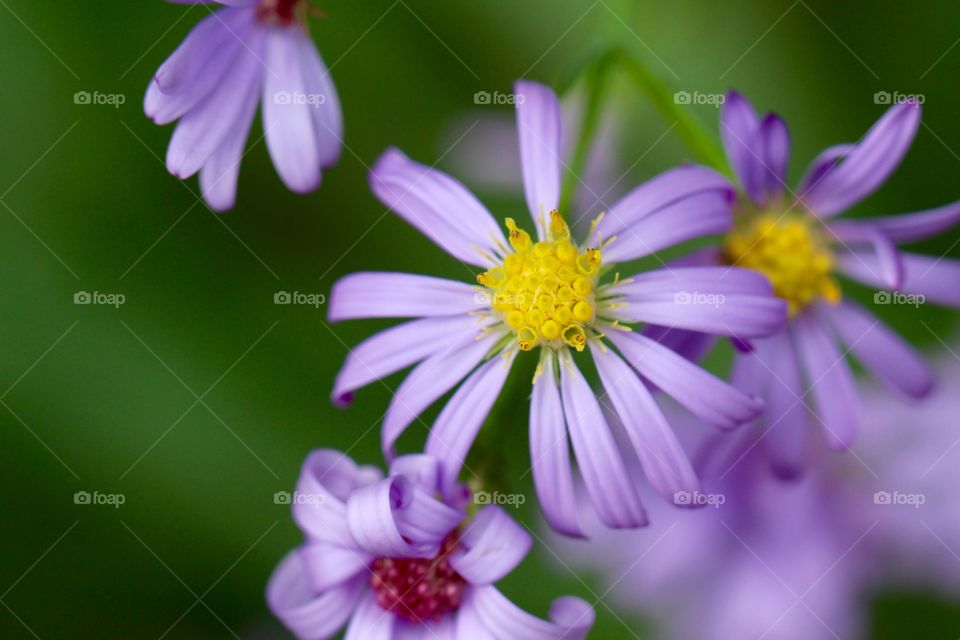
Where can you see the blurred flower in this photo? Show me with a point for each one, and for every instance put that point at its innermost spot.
(252, 50)
(550, 294)
(794, 240)
(386, 559)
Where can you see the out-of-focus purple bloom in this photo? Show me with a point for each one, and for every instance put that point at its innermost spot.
(558, 296)
(794, 238)
(386, 559)
(250, 51)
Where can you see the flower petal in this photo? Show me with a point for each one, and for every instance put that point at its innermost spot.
(370, 621)
(885, 353)
(701, 214)
(330, 565)
(740, 131)
(540, 129)
(705, 395)
(822, 165)
(438, 206)
(830, 380)
(936, 279)
(910, 227)
(663, 459)
(570, 618)
(550, 453)
(428, 381)
(492, 546)
(867, 165)
(669, 188)
(457, 425)
(773, 139)
(889, 264)
(373, 515)
(373, 294)
(326, 112)
(717, 300)
(203, 129)
(307, 614)
(610, 487)
(399, 347)
(786, 421)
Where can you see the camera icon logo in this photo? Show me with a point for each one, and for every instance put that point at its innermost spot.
(681, 97)
(82, 297)
(282, 97)
(682, 297)
(282, 497)
(482, 498)
(682, 498)
(882, 297)
(882, 497)
(81, 497)
(882, 97)
(82, 97)
(282, 297)
(482, 97)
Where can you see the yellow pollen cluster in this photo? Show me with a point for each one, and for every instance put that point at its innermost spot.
(545, 290)
(791, 253)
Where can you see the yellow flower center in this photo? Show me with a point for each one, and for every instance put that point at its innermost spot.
(791, 252)
(545, 291)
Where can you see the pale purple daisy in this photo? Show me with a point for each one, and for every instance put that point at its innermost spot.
(248, 52)
(794, 238)
(387, 559)
(557, 296)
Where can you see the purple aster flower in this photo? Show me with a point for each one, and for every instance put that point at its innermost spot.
(387, 559)
(795, 239)
(557, 296)
(247, 52)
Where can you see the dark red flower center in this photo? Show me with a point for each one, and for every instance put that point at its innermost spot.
(282, 11)
(419, 590)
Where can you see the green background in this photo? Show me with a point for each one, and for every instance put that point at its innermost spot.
(199, 398)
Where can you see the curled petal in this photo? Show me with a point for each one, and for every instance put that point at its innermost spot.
(491, 547)
(570, 618)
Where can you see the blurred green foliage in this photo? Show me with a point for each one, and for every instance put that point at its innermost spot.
(199, 398)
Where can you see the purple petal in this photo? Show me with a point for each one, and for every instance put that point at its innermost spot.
(936, 279)
(326, 112)
(664, 462)
(701, 214)
(203, 129)
(372, 515)
(307, 614)
(370, 621)
(469, 624)
(570, 618)
(740, 130)
(438, 206)
(426, 521)
(431, 379)
(708, 397)
(550, 453)
(911, 227)
(287, 119)
(867, 165)
(327, 480)
(610, 487)
(885, 353)
(491, 547)
(420, 469)
(774, 144)
(540, 129)
(668, 188)
(330, 565)
(457, 425)
(831, 382)
(692, 345)
(374, 294)
(717, 300)
(786, 425)
(401, 346)
(822, 164)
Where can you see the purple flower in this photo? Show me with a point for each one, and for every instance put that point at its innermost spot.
(794, 238)
(557, 296)
(385, 558)
(252, 50)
